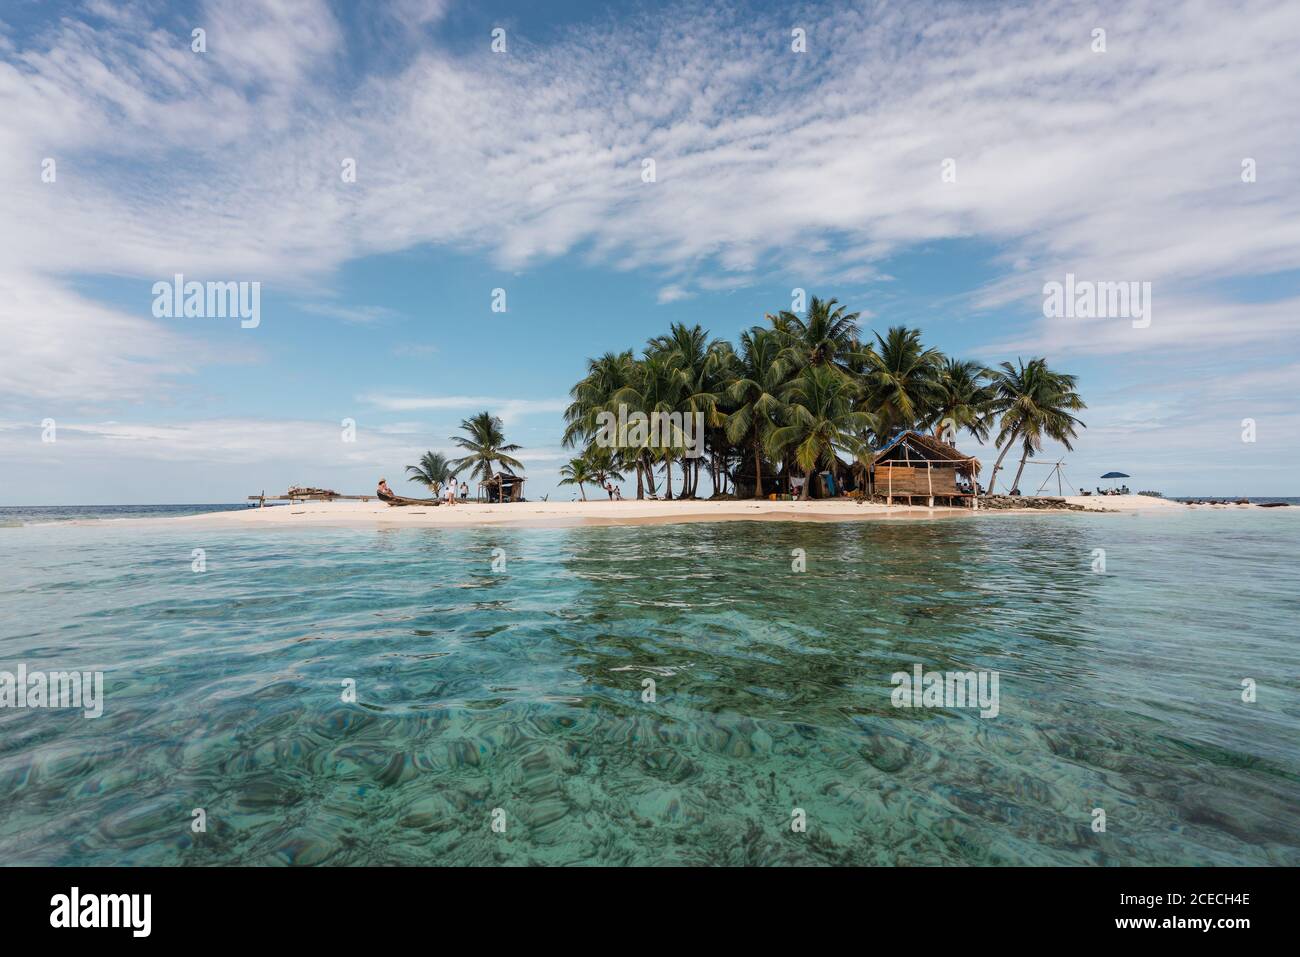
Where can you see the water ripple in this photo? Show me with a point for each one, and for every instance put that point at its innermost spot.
(523, 694)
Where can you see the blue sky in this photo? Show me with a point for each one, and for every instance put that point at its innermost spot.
(521, 170)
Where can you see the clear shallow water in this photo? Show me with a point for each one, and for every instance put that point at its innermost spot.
(41, 514)
(522, 691)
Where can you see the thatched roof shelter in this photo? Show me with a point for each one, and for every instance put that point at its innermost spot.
(915, 465)
(912, 446)
(503, 485)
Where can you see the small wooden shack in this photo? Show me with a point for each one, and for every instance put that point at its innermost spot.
(502, 485)
(913, 465)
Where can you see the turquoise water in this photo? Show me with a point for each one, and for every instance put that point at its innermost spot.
(521, 690)
(43, 514)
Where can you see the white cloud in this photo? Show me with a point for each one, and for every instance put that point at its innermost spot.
(219, 460)
(672, 293)
(60, 347)
(360, 314)
(508, 410)
(1096, 162)
(1175, 324)
(240, 441)
(403, 428)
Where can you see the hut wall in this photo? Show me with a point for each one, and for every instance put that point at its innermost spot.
(911, 480)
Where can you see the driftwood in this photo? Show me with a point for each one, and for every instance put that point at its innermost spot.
(398, 500)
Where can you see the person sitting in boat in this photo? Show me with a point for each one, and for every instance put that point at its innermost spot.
(383, 491)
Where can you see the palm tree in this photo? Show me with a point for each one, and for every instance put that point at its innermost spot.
(1035, 403)
(722, 375)
(819, 418)
(656, 387)
(576, 472)
(698, 365)
(486, 443)
(760, 377)
(603, 463)
(606, 376)
(963, 401)
(902, 380)
(827, 336)
(432, 471)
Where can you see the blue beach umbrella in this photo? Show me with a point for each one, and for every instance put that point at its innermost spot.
(1114, 475)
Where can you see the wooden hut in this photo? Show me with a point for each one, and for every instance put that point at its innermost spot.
(913, 465)
(833, 482)
(742, 478)
(502, 485)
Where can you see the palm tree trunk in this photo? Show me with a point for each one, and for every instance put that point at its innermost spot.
(807, 484)
(1016, 484)
(758, 470)
(998, 464)
(668, 478)
(582, 491)
(649, 472)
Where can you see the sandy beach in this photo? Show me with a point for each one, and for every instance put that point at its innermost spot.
(604, 512)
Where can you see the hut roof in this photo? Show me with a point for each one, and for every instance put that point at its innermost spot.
(503, 474)
(928, 448)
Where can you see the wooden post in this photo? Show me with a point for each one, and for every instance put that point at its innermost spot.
(889, 498)
(929, 484)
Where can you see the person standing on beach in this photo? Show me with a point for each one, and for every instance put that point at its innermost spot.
(464, 491)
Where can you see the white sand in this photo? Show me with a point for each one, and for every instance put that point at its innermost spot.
(594, 512)
(1122, 503)
(605, 512)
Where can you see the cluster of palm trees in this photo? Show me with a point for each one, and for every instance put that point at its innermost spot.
(484, 443)
(597, 465)
(800, 391)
